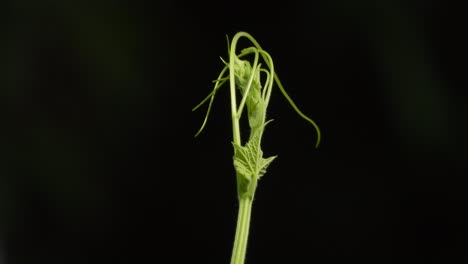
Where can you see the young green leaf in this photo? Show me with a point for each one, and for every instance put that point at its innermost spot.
(249, 162)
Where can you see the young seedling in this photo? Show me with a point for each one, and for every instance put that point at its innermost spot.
(254, 82)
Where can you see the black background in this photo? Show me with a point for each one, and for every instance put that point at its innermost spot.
(99, 163)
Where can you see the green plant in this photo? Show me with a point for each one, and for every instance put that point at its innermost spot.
(249, 162)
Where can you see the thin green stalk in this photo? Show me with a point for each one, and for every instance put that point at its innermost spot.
(235, 118)
(242, 231)
(245, 204)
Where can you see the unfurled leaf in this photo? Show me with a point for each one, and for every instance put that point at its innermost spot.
(248, 160)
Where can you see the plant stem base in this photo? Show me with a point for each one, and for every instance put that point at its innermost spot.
(242, 231)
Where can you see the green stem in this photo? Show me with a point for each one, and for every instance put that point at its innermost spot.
(242, 231)
(245, 202)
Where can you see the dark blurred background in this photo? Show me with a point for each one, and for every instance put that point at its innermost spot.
(99, 164)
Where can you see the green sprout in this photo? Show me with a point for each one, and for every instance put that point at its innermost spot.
(254, 82)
